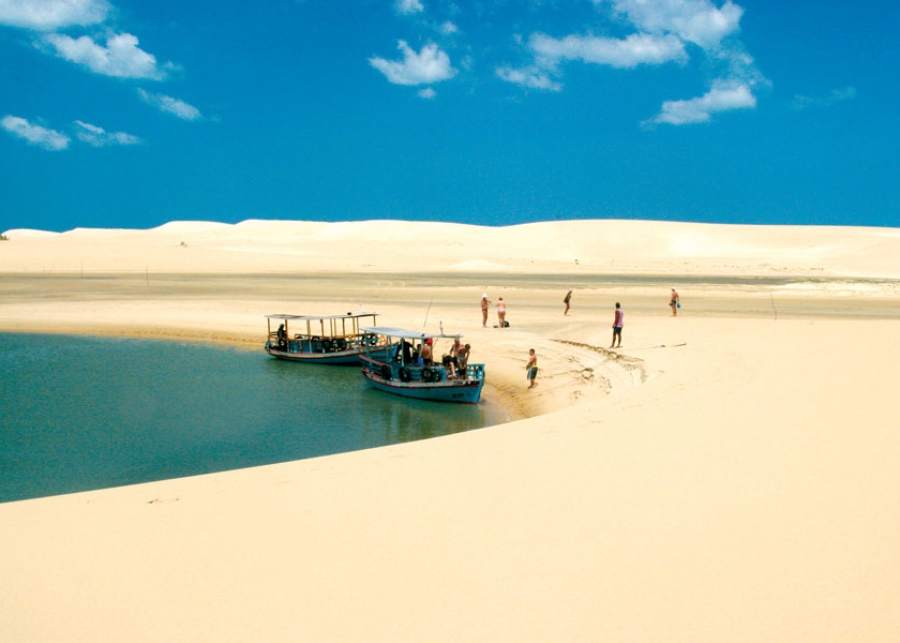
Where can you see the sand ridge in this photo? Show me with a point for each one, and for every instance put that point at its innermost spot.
(590, 246)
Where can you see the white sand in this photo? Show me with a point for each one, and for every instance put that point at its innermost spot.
(729, 475)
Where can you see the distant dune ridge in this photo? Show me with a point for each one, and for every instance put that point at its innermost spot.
(729, 474)
(578, 246)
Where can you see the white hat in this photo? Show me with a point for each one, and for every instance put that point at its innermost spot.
(484, 296)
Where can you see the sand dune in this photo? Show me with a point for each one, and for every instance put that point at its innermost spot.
(585, 247)
(728, 475)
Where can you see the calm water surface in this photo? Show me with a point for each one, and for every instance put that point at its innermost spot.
(80, 413)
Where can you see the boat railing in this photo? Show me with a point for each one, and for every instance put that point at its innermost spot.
(325, 344)
(475, 371)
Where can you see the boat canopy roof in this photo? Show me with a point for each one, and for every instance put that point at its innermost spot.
(322, 317)
(402, 333)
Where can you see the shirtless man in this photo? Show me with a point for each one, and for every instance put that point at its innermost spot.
(463, 358)
(674, 302)
(531, 368)
(453, 361)
(426, 354)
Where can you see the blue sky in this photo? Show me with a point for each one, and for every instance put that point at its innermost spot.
(116, 113)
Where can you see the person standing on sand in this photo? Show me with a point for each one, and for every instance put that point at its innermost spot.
(618, 322)
(566, 302)
(501, 312)
(531, 368)
(485, 304)
(674, 303)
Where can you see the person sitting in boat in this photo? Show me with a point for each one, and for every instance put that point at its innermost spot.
(451, 361)
(426, 353)
(449, 366)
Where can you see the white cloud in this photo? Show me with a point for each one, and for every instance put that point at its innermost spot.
(835, 96)
(724, 96)
(448, 28)
(408, 7)
(630, 52)
(696, 21)
(171, 105)
(664, 26)
(739, 65)
(428, 93)
(663, 33)
(121, 57)
(50, 15)
(98, 137)
(35, 134)
(52, 140)
(530, 77)
(626, 53)
(430, 65)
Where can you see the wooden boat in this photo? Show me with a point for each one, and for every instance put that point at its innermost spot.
(323, 339)
(403, 373)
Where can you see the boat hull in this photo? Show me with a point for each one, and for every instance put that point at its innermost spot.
(462, 391)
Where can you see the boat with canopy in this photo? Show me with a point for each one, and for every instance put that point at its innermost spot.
(323, 339)
(405, 372)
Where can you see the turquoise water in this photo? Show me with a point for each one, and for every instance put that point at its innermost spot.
(80, 413)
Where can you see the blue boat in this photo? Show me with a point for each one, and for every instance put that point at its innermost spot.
(324, 339)
(404, 373)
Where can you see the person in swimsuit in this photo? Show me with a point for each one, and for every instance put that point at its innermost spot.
(531, 368)
(501, 312)
(485, 304)
(566, 302)
(618, 322)
(674, 302)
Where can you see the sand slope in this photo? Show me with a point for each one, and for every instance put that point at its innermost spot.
(581, 246)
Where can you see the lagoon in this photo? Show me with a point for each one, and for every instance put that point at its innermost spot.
(80, 413)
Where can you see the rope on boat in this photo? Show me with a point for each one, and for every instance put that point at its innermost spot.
(427, 310)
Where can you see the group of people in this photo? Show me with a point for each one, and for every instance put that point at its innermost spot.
(456, 362)
(617, 325)
(501, 312)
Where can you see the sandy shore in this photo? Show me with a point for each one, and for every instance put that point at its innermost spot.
(730, 474)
